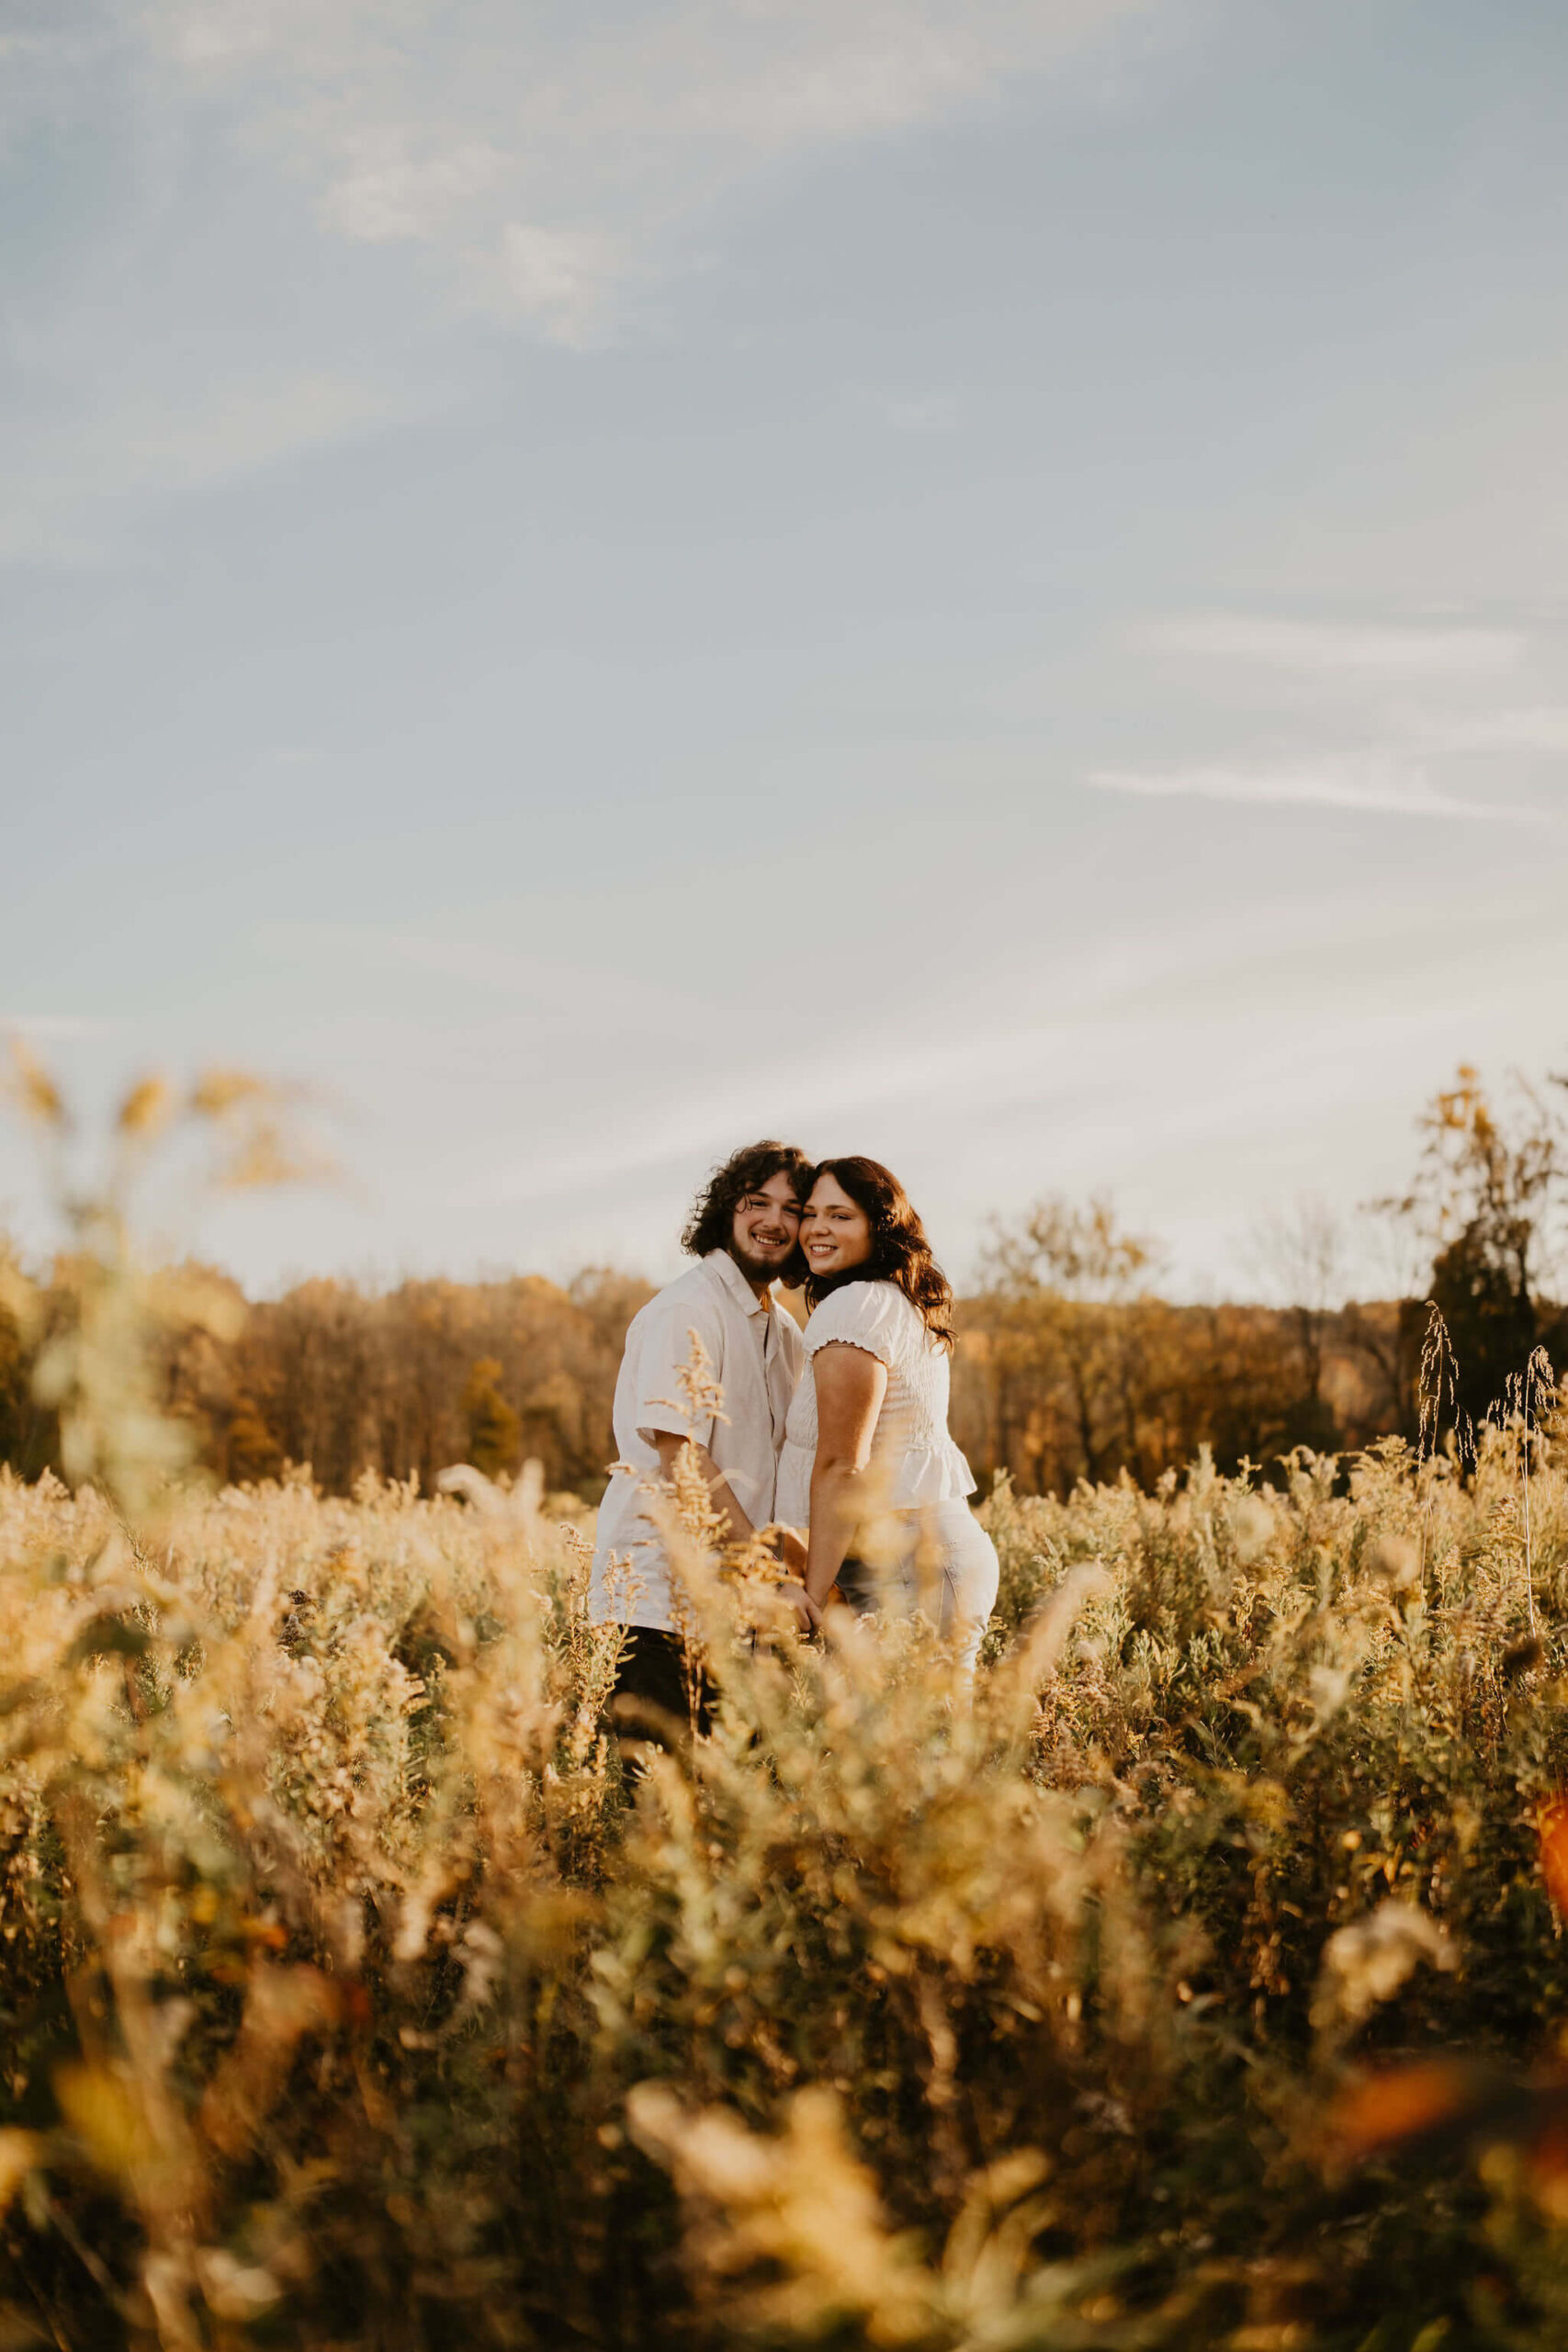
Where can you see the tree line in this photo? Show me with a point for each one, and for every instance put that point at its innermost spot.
(1070, 1365)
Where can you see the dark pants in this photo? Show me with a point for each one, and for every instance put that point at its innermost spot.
(652, 1703)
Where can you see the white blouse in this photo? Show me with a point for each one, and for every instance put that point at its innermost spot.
(910, 1443)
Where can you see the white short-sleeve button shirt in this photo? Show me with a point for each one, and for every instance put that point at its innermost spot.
(754, 1348)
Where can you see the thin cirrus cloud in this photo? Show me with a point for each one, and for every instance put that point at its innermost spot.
(1357, 663)
(248, 425)
(61, 472)
(385, 195)
(573, 995)
(561, 278)
(543, 154)
(1538, 729)
(1373, 785)
(1344, 648)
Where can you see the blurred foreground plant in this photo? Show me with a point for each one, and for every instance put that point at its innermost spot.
(96, 1333)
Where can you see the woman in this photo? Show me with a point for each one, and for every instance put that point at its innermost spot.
(868, 1460)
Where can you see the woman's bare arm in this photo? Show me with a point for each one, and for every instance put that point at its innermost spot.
(851, 1386)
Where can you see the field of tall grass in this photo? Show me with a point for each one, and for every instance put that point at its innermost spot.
(1200, 1982)
(349, 2001)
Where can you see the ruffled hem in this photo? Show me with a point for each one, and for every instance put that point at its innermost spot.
(921, 1475)
(930, 1476)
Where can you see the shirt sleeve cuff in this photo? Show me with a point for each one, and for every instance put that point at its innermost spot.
(667, 1420)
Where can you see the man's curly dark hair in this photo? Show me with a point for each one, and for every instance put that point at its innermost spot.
(711, 1220)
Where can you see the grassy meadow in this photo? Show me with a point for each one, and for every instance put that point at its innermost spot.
(1154, 2000)
(1198, 1984)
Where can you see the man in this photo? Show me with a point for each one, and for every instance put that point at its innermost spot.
(742, 1233)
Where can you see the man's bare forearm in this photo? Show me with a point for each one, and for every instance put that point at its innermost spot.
(737, 1525)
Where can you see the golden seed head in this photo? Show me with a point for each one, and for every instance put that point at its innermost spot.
(34, 1090)
(218, 1091)
(146, 1108)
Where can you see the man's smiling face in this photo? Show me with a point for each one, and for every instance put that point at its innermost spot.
(762, 1236)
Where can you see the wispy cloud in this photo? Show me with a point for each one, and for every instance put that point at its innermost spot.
(252, 425)
(543, 167)
(386, 193)
(1373, 785)
(59, 472)
(570, 995)
(228, 33)
(1382, 757)
(546, 152)
(1323, 648)
(1540, 729)
(560, 278)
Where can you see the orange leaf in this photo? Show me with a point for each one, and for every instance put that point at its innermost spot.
(1552, 1831)
(1383, 2110)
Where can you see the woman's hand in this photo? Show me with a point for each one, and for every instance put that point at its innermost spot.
(789, 1544)
(807, 1616)
(792, 1550)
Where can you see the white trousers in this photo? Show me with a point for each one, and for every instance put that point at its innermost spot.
(946, 1566)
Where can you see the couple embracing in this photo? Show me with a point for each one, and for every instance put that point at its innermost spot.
(838, 1436)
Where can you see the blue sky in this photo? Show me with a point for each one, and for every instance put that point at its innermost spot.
(976, 579)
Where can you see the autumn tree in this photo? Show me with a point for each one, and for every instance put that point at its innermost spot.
(251, 1451)
(1056, 1286)
(495, 1433)
(1070, 1367)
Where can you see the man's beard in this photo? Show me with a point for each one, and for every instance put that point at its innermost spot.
(761, 1270)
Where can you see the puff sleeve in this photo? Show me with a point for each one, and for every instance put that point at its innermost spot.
(862, 1315)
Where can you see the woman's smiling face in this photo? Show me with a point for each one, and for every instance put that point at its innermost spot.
(835, 1232)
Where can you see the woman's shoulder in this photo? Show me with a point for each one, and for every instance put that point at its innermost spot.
(868, 1311)
(855, 1300)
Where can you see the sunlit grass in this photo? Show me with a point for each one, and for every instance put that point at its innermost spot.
(333, 1953)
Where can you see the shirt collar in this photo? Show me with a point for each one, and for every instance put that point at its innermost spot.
(729, 1275)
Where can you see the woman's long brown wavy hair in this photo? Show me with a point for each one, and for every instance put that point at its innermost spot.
(899, 1251)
